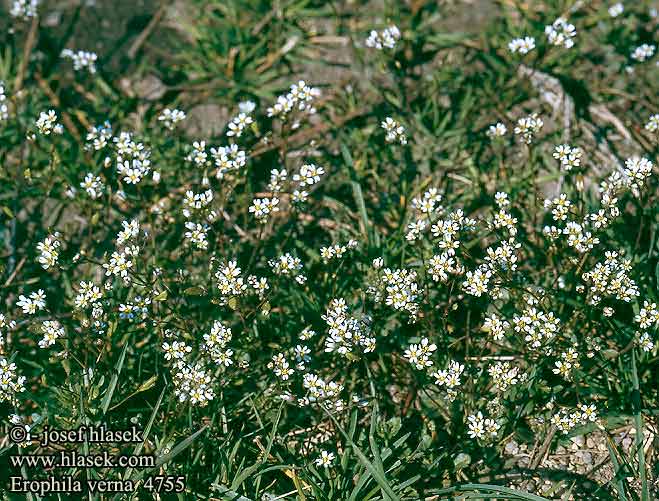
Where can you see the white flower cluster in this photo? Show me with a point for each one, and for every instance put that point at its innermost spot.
(93, 186)
(10, 382)
(170, 118)
(496, 130)
(289, 266)
(321, 391)
(440, 266)
(568, 364)
(194, 203)
(482, 428)
(52, 330)
(577, 235)
(300, 98)
(616, 9)
(238, 124)
(386, 38)
(197, 234)
(449, 379)
(346, 333)
(302, 356)
(231, 284)
(215, 344)
(565, 420)
(419, 354)
(651, 126)
(503, 257)
(477, 282)
(24, 9)
(568, 156)
(637, 170)
(192, 383)
(88, 295)
(130, 230)
(610, 279)
(336, 251)
(229, 280)
(395, 132)
(81, 59)
(560, 32)
(49, 249)
(4, 111)
(227, 159)
(401, 290)
(528, 127)
(277, 178)
(647, 318)
(429, 203)
(643, 52)
(263, 207)
(425, 209)
(537, 326)
(522, 45)
(281, 367)
(176, 351)
(121, 261)
(35, 302)
(5, 325)
(308, 175)
(198, 155)
(136, 309)
(495, 327)
(560, 207)
(197, 204)
(98, 137)
(132, 159)
(47, 123)
(503, 219)
(503, 376)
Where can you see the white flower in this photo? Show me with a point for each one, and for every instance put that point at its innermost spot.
(170, 118)
(528, 127)
(4, 110)
(49, 251)
(93, 185)
(560, 32)
(616, 9)
(309, 175)
(30, 305)
(643, 52)
(263, 207)
(246, 107)
(47, 122)
(387, 38)
(238, 125)
(653, 124)
(497, 130)
(522, 45)
(24, 8)
(81, 59)
(299, 98)
(325, 459)
(395, 131)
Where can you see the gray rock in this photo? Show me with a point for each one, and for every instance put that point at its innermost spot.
(206, 120)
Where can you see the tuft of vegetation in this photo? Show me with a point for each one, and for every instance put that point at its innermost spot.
(309, 250)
